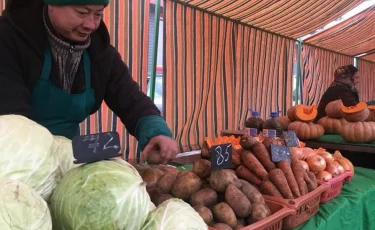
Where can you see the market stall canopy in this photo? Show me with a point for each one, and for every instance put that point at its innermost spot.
(354, 36)
(370, 57)
(292, 18)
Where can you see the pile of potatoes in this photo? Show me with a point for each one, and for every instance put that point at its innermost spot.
(151, 173)
(222, 199)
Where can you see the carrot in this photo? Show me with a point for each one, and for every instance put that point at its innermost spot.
(277, 177)
(298, 170)
(261, 152)
(270, 189)
(310, 180)
(236, 154)
(244, 173)
(284, 165)
(252, 163)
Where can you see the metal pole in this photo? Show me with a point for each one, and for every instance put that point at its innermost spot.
(155, 50)
(298, 70)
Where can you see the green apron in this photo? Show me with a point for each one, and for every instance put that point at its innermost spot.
(58, 111)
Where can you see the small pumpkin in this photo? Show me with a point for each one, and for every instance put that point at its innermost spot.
(332, 125)
(306, 131)
(333, 109)
(358, 132)
(303, 113)
(359, 112)
(285, 121)
(371, 116)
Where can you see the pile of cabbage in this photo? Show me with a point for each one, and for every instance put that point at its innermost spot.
(41, 188)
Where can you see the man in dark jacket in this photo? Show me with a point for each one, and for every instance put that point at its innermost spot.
(342, 88)
(57, 66)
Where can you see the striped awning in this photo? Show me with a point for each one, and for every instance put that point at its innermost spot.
(354, 36)
(369, 57)
(293, 18)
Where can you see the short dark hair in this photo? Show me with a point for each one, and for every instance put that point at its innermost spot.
(352, 69)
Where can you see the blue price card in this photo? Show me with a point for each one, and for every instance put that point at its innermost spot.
(291, 139)
(279, 153)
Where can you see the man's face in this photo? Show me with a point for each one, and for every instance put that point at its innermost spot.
(75, 23)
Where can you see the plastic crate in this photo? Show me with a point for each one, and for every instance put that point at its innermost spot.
(335, 186)
(304, 207)
(273, 222)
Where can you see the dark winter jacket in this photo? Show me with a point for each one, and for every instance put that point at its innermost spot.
(343, 92)
(23, 40)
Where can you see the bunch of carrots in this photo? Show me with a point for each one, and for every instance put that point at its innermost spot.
(252, 161)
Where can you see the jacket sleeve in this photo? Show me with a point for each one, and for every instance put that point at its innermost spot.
(347, 97)
(124, 97)
(15, 96)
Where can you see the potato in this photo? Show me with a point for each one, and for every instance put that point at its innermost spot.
(237, 201)
(222, 226)
(162, 198)
(183, 173)
(184, 186)
(151, 176)
(205, 152)
(202, 168)
(205, 213)
(154, 157)
(220, 179)
(206, 197)
(205, 184)
(251, 192)
(223, 213)
(141, 168)
(260, 211)
(167, 169)
(240, 224)
(165, 182)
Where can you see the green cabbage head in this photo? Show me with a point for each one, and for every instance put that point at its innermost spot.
(63, 151)
(105, 195)
(22, 207)
(174, 214)
(25, 150)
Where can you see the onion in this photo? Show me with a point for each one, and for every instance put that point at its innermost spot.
(297, 153)
(308, 152)
(305, 165)
(339, 167)
(324, 176)
(332, 169)
(316, 163)
(327, 157)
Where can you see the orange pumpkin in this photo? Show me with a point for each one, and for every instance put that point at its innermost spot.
(333, 109)
(285, 121)
(359, 112)
(358, 132)
(306, 131)
(332, 125)
(303, 113)
(371, 116)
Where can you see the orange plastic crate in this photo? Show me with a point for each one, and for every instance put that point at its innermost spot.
(273, 222)
(335, 186)
(304, 207)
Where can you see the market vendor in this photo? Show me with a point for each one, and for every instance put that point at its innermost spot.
(344, 87)
(57, 66)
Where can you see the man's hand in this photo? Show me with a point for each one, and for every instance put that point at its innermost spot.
(160, 149)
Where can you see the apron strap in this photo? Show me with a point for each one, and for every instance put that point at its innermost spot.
(87, 68)
(46, 70)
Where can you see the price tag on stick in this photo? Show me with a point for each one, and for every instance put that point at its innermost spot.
(279, 153)
(221, 156)
(291, 139)
(96, 147)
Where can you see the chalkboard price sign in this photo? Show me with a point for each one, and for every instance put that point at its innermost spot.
(96, 147)
(279, 153)
(291, 139)
(221, 156)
